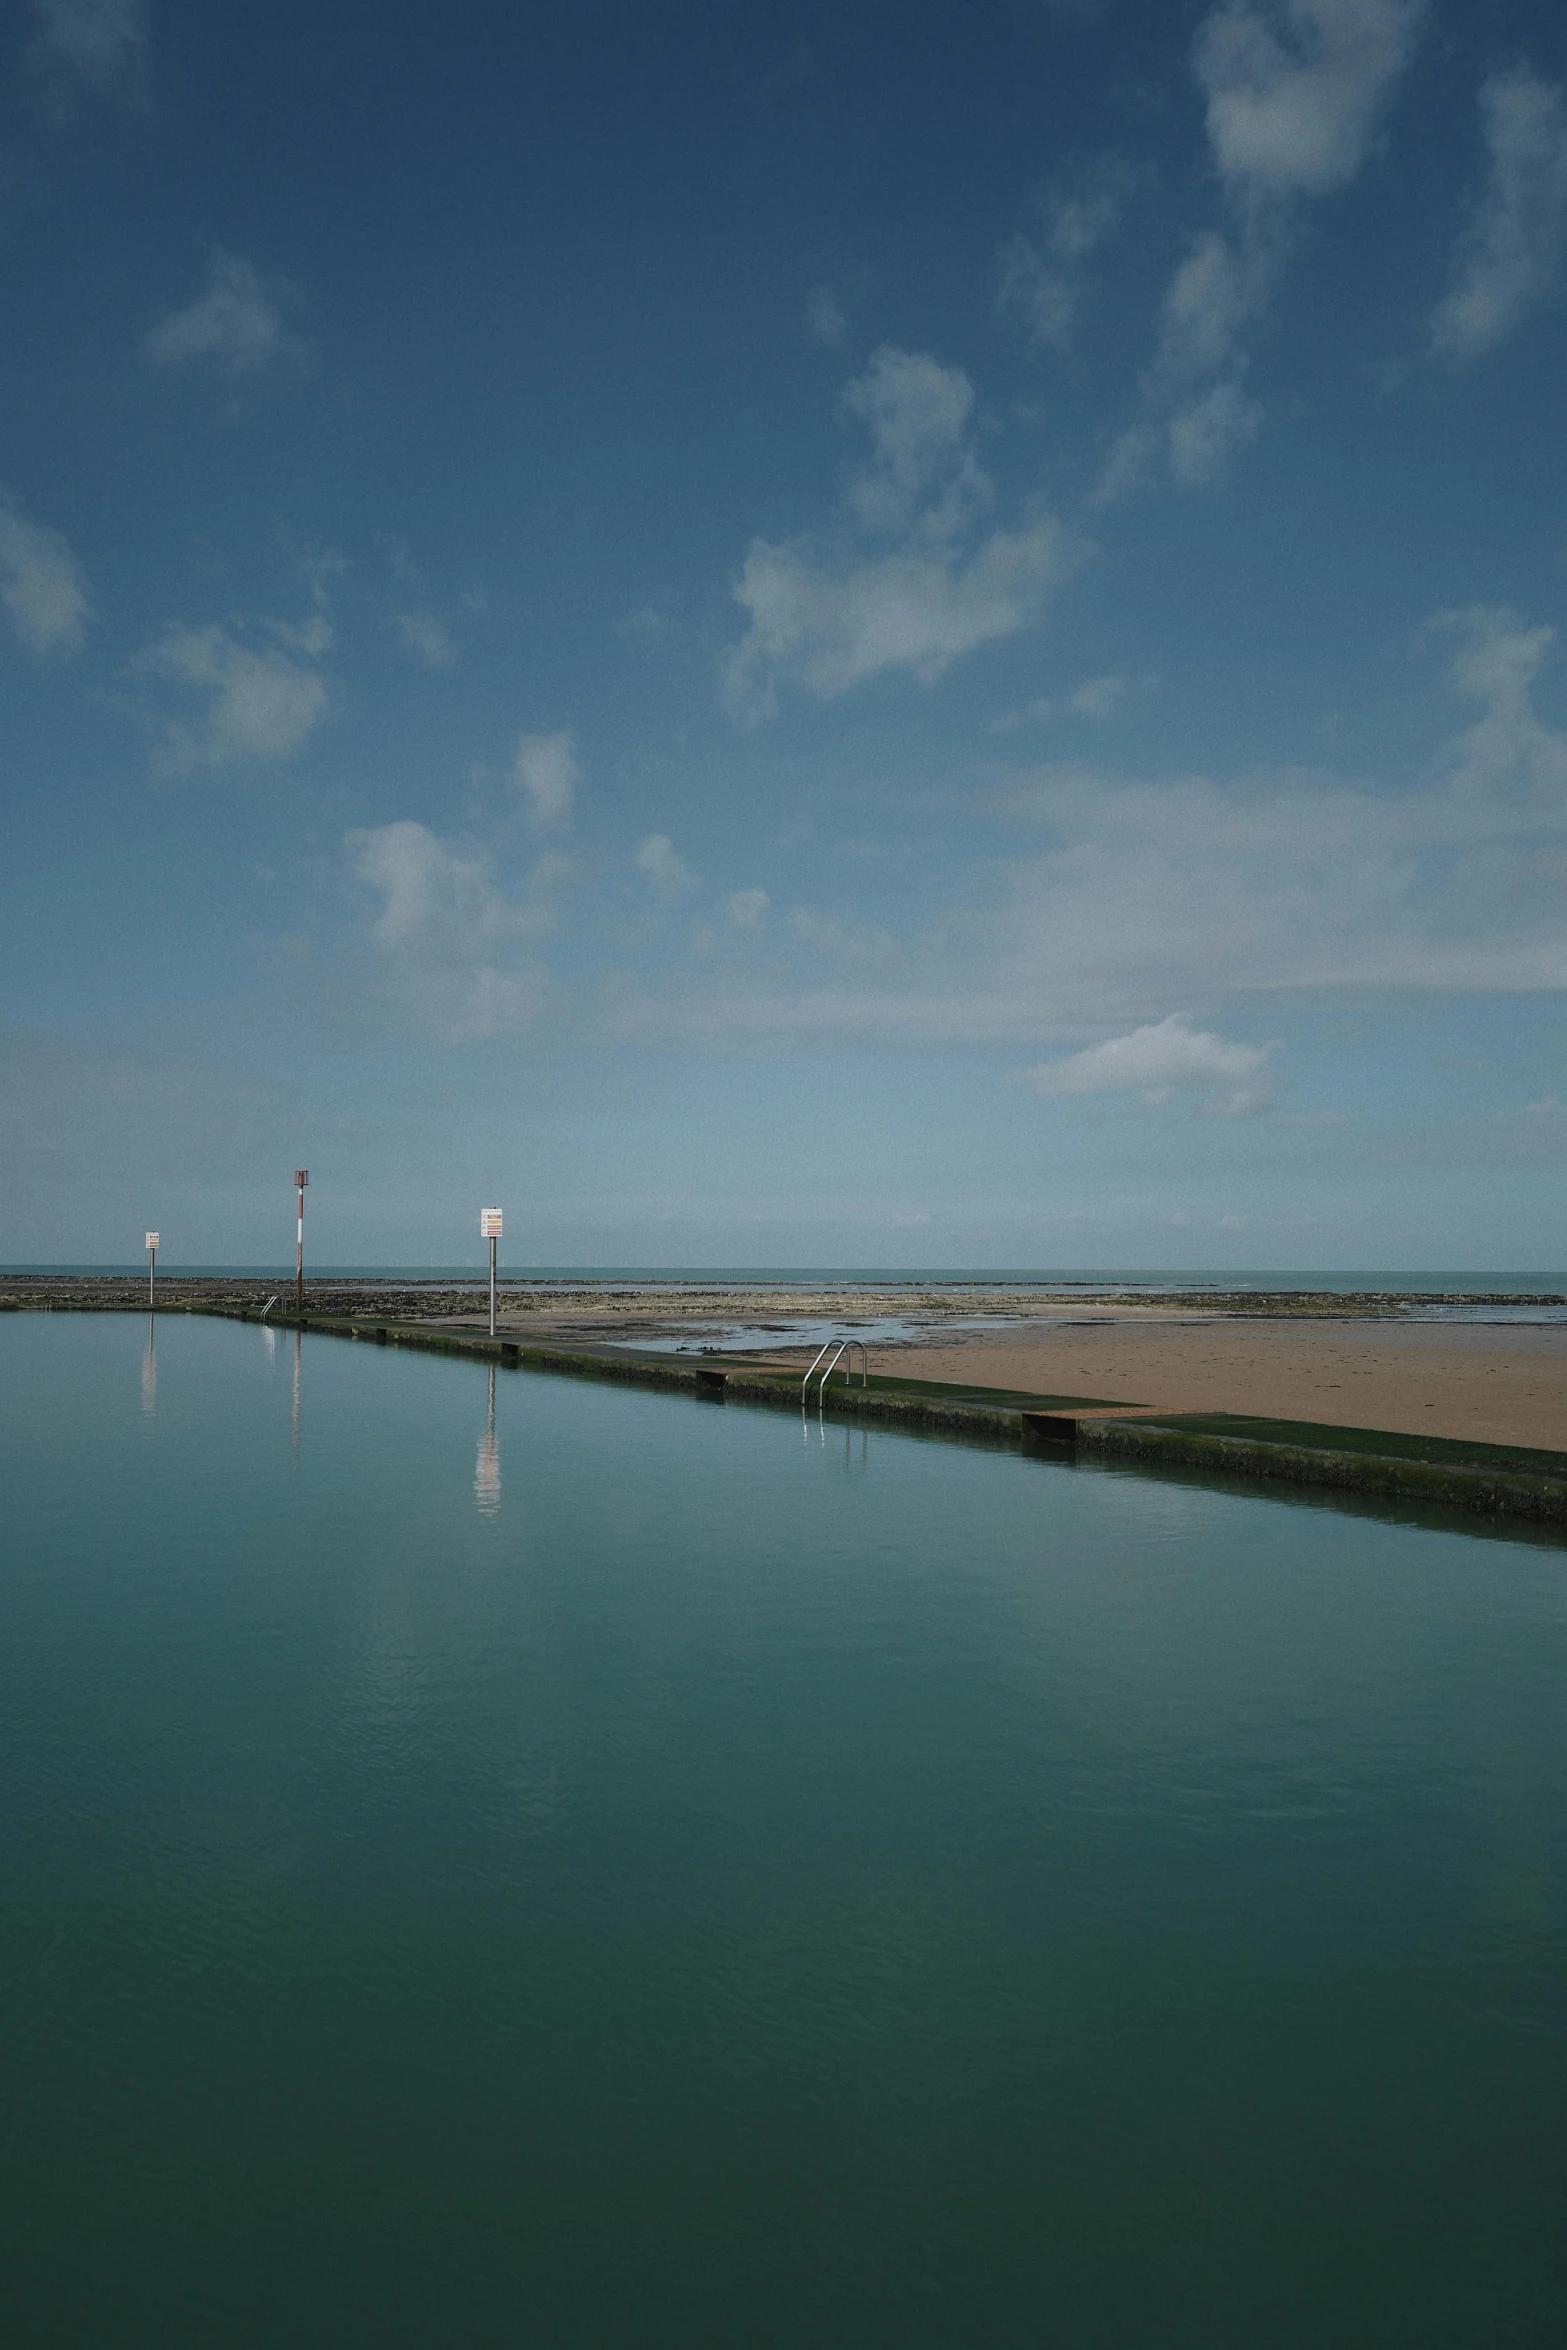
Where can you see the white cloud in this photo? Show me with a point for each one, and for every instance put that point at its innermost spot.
(1293, 91)
(645, 628)
(261, 704)
(1208, 432)
(236, 322)
(1141, 896)
(1041, 279)
(1205, 305)
(825, 315)
(1131, 465)
(547, 775)
(427, 637)
(95, 43)
(747, 907)
(1510, 254)
(1508, 757)
(916, 412)
(444, 932)
(1032, 713)
(834, 616)
(914, 610)
(1159, 1059)
(40, 584)
(1101, 697)
(658, 858)
(435, 896)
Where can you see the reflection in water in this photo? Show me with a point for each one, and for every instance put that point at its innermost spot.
(149, 1374)
(294, 1425)
(269, 1341)
(487, 1468)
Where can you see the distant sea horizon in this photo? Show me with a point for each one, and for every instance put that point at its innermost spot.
(1129, 1277)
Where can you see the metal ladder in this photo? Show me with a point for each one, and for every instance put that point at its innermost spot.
(844, 1345)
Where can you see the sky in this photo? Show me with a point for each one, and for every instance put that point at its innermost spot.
(858, 635)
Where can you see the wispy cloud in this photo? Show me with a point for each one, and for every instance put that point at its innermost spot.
(547, 775)
(1294, 91)
(261, 701)
(1162, 1058)
(1101, 697)
(428, 638)
(661, 861)
(1510, 254)
(448, 941)
(97, 46)
(1041, 277)
(236, 322)
(913, 579)
(1208, 432)
(1146, 895)
(825, 316)
(41, 584)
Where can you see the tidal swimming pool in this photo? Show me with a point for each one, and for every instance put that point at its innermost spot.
(515, 1861)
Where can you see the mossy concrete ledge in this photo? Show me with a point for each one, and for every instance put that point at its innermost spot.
(1484, 1479)
(1489, 1479)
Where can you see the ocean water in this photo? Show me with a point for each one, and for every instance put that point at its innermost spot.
(492, 1859)
(653, 1278)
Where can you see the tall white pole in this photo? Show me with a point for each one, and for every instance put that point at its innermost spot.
(152, 1270)
(301, 1178)
(490, 1230)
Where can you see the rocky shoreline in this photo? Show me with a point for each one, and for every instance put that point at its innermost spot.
(643, 1308)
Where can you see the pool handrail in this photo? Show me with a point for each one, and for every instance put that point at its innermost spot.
(843, 1344)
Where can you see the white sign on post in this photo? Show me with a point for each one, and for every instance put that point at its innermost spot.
(489, 1224)
(152, 1240)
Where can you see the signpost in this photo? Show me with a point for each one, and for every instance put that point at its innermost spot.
(301, 1178)
(152, 1270)
(490, 1230)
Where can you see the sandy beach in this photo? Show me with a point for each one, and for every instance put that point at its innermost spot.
(1363, 1361)
(1489, 1383)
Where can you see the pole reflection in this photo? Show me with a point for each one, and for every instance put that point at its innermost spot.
(149, 1374)
(487, 1469)
(294, 1422)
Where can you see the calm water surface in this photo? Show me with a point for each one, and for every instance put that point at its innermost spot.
(570, 1866)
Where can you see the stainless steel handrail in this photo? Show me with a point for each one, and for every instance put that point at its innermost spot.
(844, 1345)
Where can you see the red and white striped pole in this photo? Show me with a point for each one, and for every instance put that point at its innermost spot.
(301, 1178)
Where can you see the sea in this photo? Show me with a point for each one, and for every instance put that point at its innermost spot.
(489, 1858)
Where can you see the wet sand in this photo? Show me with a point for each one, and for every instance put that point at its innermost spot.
(1352, 1361)
(1483, 1383)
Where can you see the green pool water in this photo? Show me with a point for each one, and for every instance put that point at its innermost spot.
(500, 1860)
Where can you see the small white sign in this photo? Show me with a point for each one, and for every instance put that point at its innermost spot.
(152, 1240)
(489, 1223)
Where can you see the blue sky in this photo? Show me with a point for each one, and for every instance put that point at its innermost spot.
(919, 635)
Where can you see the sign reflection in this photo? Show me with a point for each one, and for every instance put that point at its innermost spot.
(487, 1468)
